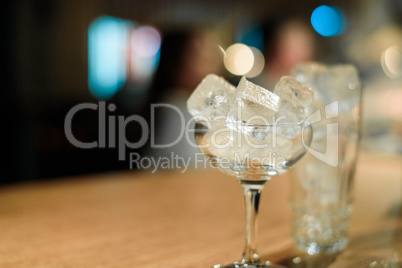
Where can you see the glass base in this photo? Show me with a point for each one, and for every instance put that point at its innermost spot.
(266, 264)
(328, 247)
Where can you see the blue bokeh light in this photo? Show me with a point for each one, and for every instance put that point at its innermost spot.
(328, 21)
(107, 42)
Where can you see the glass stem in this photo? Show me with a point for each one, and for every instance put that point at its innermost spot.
(252, 200)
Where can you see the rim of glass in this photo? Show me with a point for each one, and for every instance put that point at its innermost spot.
(246, 124)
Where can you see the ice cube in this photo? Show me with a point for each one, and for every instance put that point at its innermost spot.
(252, 105)
(344, 85)
(307, 73)
(296, 99)
(211, 98)
(331, 83)
(296, 102)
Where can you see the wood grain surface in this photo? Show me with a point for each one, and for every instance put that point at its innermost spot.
(175, 220)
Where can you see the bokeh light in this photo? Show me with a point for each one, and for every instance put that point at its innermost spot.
(391, 61)
(259, 63)
(107, 43)
(239, 59)
(145, 41)
(328, 21)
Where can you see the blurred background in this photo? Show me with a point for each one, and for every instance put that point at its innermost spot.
(128, 54)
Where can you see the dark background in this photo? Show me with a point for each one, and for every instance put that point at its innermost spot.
(45, 68)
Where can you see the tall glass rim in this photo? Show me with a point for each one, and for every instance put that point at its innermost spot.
(245, 124)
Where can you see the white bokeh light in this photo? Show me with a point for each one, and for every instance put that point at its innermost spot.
(391, 61)
(239, 59)
(144, 56)
(259, 63)
(145, 41)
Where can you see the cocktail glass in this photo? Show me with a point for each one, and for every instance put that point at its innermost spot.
(252, 162)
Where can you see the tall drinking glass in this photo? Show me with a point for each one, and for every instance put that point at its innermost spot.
(321, 185)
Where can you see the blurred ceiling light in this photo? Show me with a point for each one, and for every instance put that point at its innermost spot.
(107, 43)
(259, 63)
(145, 51)
(145, 41)
(328, 21)
(391, 61)
(239, 59)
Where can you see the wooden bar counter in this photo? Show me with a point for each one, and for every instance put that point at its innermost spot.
(192, 220)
